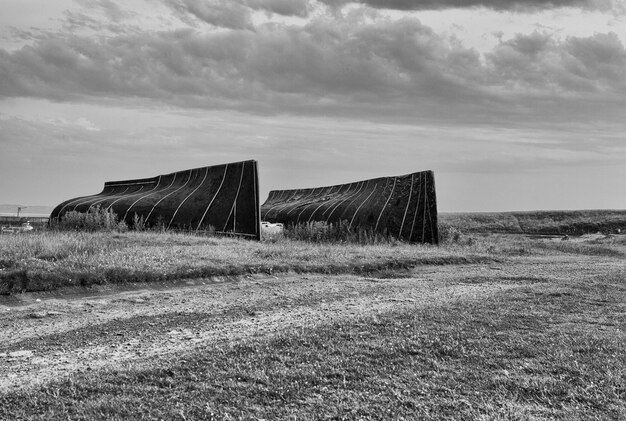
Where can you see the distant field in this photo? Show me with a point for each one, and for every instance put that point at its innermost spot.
(37, 222)
(24, 215)
(34, 210)
(538, 222)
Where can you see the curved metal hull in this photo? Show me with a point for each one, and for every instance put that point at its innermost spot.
(403, 206)
(221, 197)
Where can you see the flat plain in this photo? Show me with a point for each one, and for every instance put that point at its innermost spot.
(487, 326)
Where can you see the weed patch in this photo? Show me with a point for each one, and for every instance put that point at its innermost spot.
(340, 232)
(95, 219)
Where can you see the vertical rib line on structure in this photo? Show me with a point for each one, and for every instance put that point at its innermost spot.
(358, 187)
(355, 197)
(142, 197)
(361, 205)
(206, 172)
(337, 199)
(305, 208)
(105, 199)
(350, 196)
(425, 209)
(280, 204)
(302, 200)
(125, 196)
(417, 206)
(234, 207)
(91, 198)
(408, 202)
(325, 203)
(168, 195)
(213, 199)
(257, 205)
(395, 179)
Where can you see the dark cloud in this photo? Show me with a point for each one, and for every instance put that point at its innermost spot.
(463, 4)
(111, 10)
(299, 8)
(234, 14)
(319, 60)
(336, 66)
(24, 35)
(221, 13)
(539, 62)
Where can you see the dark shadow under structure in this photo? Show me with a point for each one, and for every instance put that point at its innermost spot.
(402, 206)
(223, 198)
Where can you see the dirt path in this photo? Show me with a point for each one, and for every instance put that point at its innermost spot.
(45, 338)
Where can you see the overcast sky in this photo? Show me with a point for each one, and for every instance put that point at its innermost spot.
(515, 105)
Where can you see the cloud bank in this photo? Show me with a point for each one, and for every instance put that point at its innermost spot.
(358, 63)
(516, 5)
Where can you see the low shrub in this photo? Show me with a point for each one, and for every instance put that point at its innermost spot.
(340, 232)
(95, 219)
(449, 233)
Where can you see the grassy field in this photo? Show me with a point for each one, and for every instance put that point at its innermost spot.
(48, 260)
(485, 327)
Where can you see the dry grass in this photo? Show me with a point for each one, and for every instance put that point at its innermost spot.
(50, 259)
(47, 260)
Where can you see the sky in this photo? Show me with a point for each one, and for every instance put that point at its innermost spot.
(514, 104)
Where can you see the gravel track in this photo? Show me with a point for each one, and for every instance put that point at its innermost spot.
(46, 337)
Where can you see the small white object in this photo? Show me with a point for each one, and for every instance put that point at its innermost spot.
(269, 228)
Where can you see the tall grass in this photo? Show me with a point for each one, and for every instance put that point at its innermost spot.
(55, 246)
(52, 259)
(449, 233)
(340, 232)
(95, 219)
